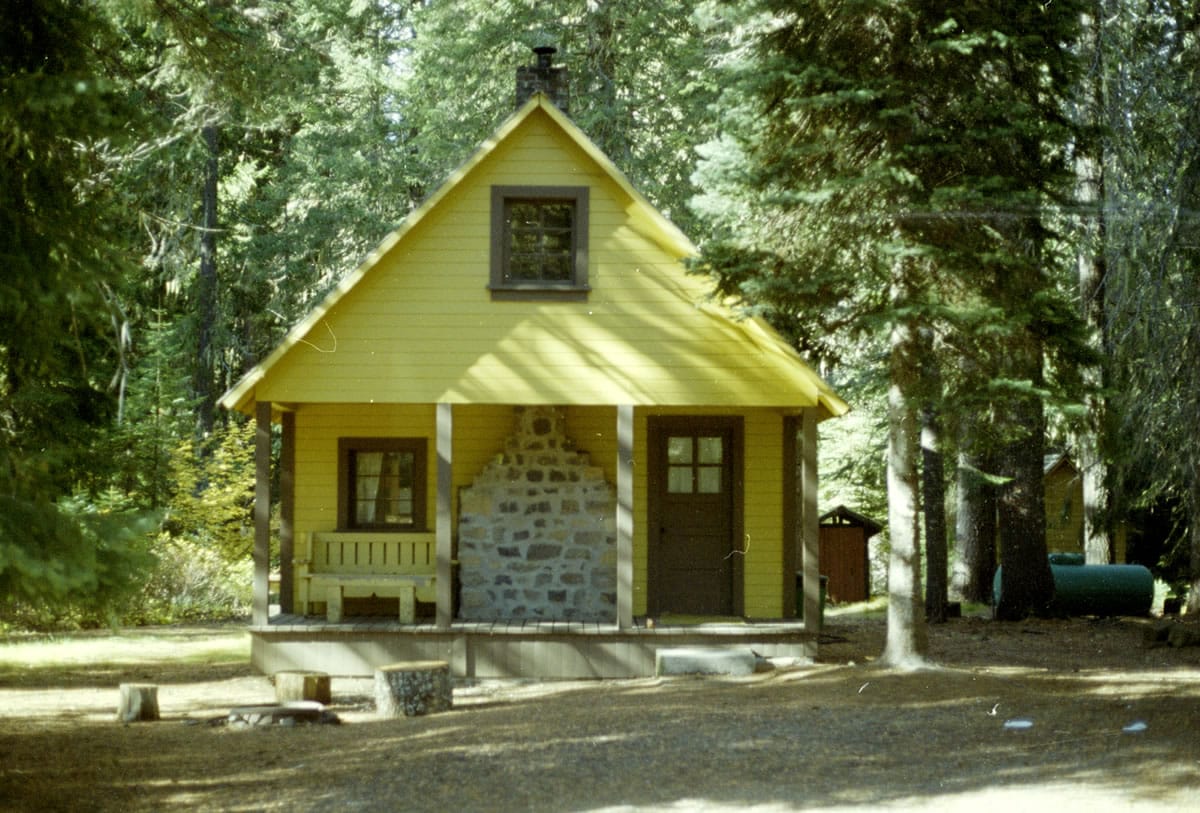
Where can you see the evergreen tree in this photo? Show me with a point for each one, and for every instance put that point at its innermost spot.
(59, 115)
(637, 71)
(1151, 151)
(896, 161)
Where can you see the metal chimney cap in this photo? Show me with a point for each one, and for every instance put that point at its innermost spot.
(544, 54)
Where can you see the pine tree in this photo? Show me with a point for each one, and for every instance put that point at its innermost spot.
(1151, 118)
(59, 113)
(897, 160)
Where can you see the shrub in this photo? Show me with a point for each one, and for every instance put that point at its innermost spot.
(192, 582)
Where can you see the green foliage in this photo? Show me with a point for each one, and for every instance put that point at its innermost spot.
(1152, 207)
(832, 167)
(893, 169)
(60, 113)
(941, 154)
(638, 75)
(213, 495)
(203, 544)
(78, 562)
(192, 582)
(838, 142)
(102, 560)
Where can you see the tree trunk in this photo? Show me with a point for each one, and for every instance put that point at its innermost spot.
(137, 702)
(933, 488)
(1193, 602)
(295, 685)
(933, 473)
(203, 375)
(906, 633)
(1027, 586)
(1089, 171)
(975, 529)
(413, 688)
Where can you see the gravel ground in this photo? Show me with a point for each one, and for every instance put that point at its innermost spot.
(843, 734)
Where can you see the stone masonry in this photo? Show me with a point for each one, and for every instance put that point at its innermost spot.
(537, 530)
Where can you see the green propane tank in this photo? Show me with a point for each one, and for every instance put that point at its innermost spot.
(1081, 589)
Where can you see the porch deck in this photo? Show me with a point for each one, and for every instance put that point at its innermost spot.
(509, 649)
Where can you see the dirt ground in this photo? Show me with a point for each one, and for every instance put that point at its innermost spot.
(1108, 723)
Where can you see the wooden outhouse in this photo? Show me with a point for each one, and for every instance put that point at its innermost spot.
(522, 427)
(1064, 509)
(845, 554)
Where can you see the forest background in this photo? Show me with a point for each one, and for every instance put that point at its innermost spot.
(979, 221)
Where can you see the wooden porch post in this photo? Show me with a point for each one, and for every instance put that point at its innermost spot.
(287, 511)
(793, 551)
(262, 512)
(810, 522)
(625, 516)
(444, 537)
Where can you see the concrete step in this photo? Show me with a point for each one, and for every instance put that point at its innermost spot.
(694, 660)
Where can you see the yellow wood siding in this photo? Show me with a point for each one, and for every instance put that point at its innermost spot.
(1064, 510)
(479, 434)
(421, 326)
(763, 543)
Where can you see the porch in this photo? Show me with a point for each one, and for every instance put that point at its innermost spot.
(509, 649)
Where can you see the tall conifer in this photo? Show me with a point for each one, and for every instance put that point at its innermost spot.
(911, 148)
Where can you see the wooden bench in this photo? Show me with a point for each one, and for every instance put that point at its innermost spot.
(340, 565)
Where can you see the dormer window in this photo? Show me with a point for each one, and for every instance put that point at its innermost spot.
(539, 242)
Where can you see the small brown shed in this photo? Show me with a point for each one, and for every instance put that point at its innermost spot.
(845, 560)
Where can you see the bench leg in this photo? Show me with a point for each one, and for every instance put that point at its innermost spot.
(333, 604)
(408, 606)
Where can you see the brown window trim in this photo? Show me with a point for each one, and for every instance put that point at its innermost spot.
(420, 450)
(574, 290)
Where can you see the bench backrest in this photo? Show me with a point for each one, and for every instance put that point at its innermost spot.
(343, 552)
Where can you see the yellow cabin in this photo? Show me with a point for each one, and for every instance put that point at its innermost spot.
(521, 415)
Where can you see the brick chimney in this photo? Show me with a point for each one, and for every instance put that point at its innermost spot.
(544, 77)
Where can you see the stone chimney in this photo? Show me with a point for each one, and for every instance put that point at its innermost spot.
(544, 77)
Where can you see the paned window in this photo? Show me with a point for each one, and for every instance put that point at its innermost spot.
(382, 483)
(539, 242)
(695, 464)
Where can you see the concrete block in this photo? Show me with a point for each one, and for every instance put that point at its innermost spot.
(704, 661)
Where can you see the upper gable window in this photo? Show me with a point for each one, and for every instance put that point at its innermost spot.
(539, 242)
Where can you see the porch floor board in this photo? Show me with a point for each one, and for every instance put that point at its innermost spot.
(509, 649)
(311, 623)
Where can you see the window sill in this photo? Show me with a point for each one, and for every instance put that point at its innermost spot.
(539, 293)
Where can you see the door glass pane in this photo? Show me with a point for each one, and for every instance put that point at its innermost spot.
(708, 480)
(710, 450)
(679, 450)
(679, 479)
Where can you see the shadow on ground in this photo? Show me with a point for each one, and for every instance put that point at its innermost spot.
(845, 734)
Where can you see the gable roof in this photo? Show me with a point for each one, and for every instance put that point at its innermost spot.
(662, 343)
(843, 516)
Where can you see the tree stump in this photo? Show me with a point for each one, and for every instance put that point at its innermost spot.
(1157, 633)
(1184, 635)
(291, 686)
(289, 714)
(412, 688)
(139, 701)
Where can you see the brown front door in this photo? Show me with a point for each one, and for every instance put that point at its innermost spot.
(694, 471)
